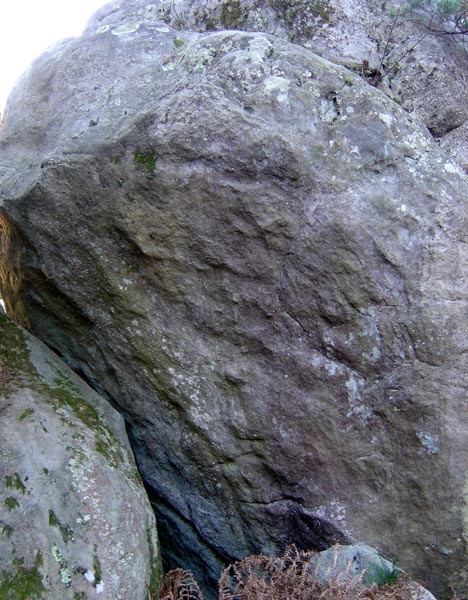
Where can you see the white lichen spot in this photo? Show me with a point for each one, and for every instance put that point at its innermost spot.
(429, 441)
(417, 142)
(335, 512)
(357, 408)
(279, 86)
(65, 576)
(89, 576)
(259, 49)
(386, 118)
(200, 417)
(328, 111)
(374, 355)
(451, 168)
(202, 58)
(83, 519)
(331, 368)
(280, 429)
(56, 553)
(126, 28)
(162, 29)
(168, 66)
(99, 588)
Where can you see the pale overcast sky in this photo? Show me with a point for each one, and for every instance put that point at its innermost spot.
(28, 27)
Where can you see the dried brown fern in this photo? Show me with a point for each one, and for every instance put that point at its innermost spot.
(180, 585)
(289, 577)
(262, 577)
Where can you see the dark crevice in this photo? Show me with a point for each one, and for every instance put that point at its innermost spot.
(175, 531)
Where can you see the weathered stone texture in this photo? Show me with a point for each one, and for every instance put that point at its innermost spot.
(262, 260)
(426, 73)
(75, 521)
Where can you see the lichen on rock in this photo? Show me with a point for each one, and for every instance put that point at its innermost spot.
(261, 258)
(72, 502)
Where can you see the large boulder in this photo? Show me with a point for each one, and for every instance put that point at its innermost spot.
(261, 259)
(75, 521)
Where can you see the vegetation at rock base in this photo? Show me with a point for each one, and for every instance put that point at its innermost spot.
(180, 584)
(449, 17)
(302, 16)
(232, 14)
(289, 577)
(439, 17)
(156, 574)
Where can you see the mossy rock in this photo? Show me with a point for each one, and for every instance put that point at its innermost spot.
(75, 521)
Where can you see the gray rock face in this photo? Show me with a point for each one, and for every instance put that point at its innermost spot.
(426, 73)
(75, 521)
(262, 260)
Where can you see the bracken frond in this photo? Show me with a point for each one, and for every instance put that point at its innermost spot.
(288, 577)
(180, 585)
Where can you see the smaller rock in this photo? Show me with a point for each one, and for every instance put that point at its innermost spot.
(354, 562)
(75, 521)
(357, 564)
(455, 143)
(418, 592)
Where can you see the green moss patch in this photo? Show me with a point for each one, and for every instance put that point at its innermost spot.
(24, 584)
(65, 530)
(96, 567)
(10, 504)
(233, 14)
(65, 394)
(156, 573)
(13, 482)
(14, 353)
(25, 414)
(7, 530)
(145, 161)
(302, 17)
(14, 363)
